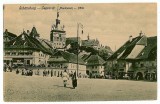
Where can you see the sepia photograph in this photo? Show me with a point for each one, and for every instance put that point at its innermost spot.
(80, 52)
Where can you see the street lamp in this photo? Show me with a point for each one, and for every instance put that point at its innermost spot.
(79, 25)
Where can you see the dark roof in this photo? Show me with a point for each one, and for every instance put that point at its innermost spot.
(150, 47)
(126, 45)
(8, 36)
(34, 32)
(150, 51)
(58, 60)
(65, 57)
(95, 60)
(26, 42)
(90, 42)
(71, 40)
(45, 43)
(85, 56)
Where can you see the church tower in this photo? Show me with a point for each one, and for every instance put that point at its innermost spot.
(57, 34)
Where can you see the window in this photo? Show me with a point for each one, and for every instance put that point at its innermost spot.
(92, 67)
(142, 65)
(28, 62)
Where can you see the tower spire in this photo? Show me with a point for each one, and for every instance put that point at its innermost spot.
(88, 36)
(57, 20)
(57, 11)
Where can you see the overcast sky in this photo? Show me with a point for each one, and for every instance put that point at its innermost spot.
(111, 24)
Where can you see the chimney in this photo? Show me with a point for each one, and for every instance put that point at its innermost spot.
(28, 32)
(6, 30)
(140, 34)
(130, 38)
(88, 36)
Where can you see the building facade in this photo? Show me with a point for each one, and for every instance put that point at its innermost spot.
(137, 57)
(26, 50)
(62, 60)
(95, 66)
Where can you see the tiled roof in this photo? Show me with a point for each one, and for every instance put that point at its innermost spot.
(150, 51)
(24, 41)
(34, 32)
(8, 36)
(71, 40)
(126, 45)
(67, 57)
(44, 43)
(91, 42)
(95, 60)
(139, 48)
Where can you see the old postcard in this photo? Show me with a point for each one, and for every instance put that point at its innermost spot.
(80, 52)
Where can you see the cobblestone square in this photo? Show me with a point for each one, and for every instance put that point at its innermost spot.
(18, 88)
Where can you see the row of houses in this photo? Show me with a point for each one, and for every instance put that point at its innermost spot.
(137, 57)
(29, 50)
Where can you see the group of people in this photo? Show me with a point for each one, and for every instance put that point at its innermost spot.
(65, 77)
(25, 71)
(45, 72)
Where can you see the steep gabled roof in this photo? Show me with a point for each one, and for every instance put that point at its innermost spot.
(95, 60)
(8, 36)
(45, 43)
(140, 47)
(24, 41)
(34, 32)
(71, 40)
(90, 42)
(66, 57)
(126, 48)
(150, 51)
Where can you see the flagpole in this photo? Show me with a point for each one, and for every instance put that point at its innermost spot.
(78, 43)
(77, 46)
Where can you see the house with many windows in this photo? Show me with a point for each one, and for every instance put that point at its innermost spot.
(94, 65)
(62, 60)
(137, 57)
(26, 49)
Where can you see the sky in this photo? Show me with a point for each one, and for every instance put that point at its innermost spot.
(110, 23)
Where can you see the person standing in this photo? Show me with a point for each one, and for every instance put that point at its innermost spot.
(17, 71)
(116, 75)
(65, 78)
(74, 80)
(48, 73)
(37, 72)
(51, 72)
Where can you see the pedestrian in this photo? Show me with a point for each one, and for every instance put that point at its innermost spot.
(116, 75)
(38, 72)
(90, 75)
(71, 74)
(65, 78)
(48, 72)
(44, 72)
(17, 71)
(74, 80)
(51, 72)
